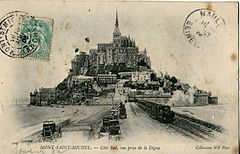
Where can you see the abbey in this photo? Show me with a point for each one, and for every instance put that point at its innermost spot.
(120, 55)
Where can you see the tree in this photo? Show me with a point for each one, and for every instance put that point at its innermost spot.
(62, 86)
(173, 79)
(166, 90)
(179, 87)
(153, 77)
(161, 83)
(167, 77)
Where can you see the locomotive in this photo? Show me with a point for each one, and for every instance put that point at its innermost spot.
(157, 111)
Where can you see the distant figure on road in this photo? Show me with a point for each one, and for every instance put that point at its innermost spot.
(59, 131)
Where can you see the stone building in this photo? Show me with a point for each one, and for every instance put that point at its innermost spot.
(204, 98)
(213, 100)
(141, 76)
(34, 98)
(200, 99)
(121, 91)
(126, 75)
(47, 95)
(43, 96)
(78, 79)
(120, 55)
(104, 79)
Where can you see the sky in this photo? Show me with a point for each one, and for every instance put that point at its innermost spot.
(156, 26)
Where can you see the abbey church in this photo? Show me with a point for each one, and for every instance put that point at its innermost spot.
(120, 55)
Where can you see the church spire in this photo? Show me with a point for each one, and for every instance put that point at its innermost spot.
(116, 23)
(116, 32)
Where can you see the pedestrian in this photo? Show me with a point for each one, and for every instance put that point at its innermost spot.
(59, 131)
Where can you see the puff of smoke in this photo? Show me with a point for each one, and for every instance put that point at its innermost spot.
(179, 98)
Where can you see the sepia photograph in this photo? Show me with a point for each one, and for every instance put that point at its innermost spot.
(119, 77)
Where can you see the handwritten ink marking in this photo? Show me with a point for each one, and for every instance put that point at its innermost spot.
(30, 151)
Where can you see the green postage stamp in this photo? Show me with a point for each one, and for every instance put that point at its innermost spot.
(25, 36)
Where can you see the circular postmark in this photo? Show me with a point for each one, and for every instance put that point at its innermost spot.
(200, 25)
(17, 39)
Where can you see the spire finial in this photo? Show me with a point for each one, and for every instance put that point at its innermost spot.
(116, 23)
(116, 32)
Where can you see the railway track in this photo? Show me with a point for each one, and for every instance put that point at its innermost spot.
(191, 129)
(195, 129)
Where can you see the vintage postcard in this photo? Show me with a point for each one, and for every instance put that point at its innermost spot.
(84, 77)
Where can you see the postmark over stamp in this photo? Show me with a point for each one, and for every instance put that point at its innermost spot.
(25, 36)
(200, 25)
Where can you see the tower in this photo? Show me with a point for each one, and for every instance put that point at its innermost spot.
(116, 32)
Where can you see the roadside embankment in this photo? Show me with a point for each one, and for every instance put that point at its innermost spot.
(32, 132)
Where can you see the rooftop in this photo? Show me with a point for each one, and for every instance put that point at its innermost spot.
(82, 77)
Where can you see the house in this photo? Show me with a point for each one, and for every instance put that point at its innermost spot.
(106, 79)
(141, 76)
(121, 91)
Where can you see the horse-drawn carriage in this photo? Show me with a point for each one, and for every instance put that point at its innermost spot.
(51, 131)
(122, 111)
(105, 125)
(111, 125)
(114, 129)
